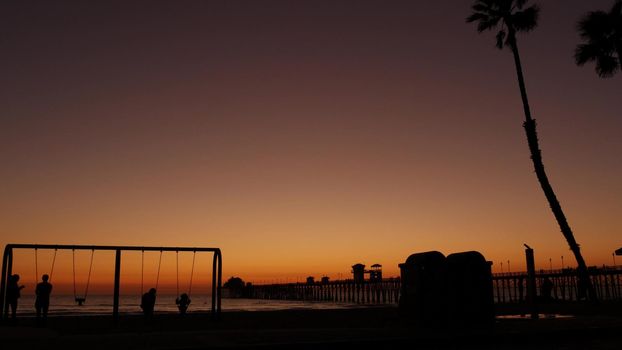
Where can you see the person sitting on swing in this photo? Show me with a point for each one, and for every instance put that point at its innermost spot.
(147, 302)
(182, 303)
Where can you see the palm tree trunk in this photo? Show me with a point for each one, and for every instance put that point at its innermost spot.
(536, 157)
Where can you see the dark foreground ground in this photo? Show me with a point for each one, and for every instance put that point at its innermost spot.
(589, 327)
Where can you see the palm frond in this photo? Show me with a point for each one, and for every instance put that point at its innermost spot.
(585, 53)
(526, 20)
(478, 16)
(593, 25)
(602, 40)
(480, 7)
(491, 14)
(520, 4)
(488, 24)
(504, 6)
(500, 39)
(606, 66)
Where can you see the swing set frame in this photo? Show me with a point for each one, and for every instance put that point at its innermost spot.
(7, 270)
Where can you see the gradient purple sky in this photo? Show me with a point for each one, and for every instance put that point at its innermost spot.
(301, 137)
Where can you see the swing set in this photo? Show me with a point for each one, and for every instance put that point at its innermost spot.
(7, 270)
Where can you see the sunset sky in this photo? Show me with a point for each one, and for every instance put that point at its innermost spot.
(300, 137)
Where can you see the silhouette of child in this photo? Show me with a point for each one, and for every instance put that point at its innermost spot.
(182, 303)
(147, 302)
(42, 301)
(13, 293)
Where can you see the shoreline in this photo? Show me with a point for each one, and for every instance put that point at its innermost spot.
(376, 327)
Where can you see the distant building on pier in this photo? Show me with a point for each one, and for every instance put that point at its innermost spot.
(358, 273)
(375, 274)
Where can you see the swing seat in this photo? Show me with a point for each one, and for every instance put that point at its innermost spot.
(80, 301)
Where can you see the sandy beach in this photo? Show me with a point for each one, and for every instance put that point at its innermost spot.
(591, 327)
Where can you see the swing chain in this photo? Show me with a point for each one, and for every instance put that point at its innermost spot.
(36, 267)
(194, 254)
(88, 279)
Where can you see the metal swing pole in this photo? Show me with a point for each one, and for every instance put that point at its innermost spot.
(7, 271)
(117, 283)
(142, 272)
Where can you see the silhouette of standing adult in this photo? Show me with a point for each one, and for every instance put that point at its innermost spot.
(12, 294)
(182, 303)
(42, 302)
(546, 289)
(147, 303)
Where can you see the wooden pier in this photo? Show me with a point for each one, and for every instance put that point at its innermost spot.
(507, 288)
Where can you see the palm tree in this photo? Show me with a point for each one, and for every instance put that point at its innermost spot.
(511, 17)
(602, 33)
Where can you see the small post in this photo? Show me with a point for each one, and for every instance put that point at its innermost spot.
(531, 281)
(117, 280)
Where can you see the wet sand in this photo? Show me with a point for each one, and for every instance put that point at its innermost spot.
(376, 327)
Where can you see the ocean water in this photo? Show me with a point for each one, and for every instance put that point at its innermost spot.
(129, 304)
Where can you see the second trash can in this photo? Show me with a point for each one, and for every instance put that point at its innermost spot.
(470, 291)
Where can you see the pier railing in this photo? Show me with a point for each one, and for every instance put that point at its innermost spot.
(507, 288)
(512, 288)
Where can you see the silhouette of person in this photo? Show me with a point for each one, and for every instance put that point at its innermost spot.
(147, 302)
(546, 289)
(182, 303)
(12, 294)
(42, 301)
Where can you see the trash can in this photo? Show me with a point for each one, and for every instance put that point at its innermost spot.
(424, 288)
(469, 290)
